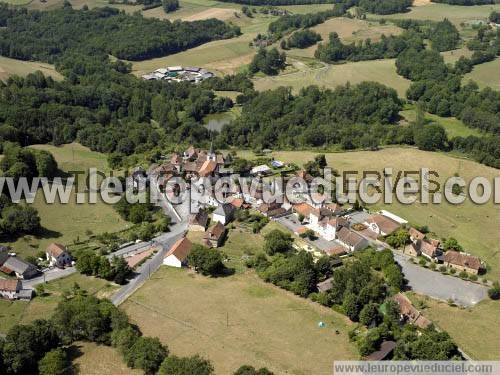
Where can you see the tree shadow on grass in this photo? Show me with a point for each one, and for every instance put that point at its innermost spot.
(73, 352)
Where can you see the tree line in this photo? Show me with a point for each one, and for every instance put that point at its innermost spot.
(443, 35)
(361, 288)
(46, 35)
(43, 346)
(465, 2)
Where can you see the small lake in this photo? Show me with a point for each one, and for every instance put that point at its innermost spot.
(216, 121)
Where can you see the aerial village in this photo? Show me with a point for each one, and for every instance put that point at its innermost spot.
(324, 228)
(328, 228)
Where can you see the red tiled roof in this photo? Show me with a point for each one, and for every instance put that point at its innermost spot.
(385, 224)
(415, 234)
(9, 285)
(55, 249)
(216, 232)
(349, 237)
(303, 209)
(180, 249)
(207, 168)
(337, 250)
(463, 260)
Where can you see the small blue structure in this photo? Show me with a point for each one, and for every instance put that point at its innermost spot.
(321, 324)
(277, 164)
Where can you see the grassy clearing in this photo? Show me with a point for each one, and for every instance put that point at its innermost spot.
(486, 75)
(476, 330)
(454, 55)
(12, 313)
(240, 243)
(474, 226)
(66, 223)
(383, 71)
(92, 359)
(10, 67)
(223, 56)
(436, 12)
(454, 127)
(349, 30)
(238, 320)
(18, 2)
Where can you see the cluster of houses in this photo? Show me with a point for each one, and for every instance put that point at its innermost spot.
(431, 249)
(341, 230)
(19, 269)
(179, 74)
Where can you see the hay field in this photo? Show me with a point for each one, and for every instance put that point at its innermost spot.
(453, 126)
(486, 75)
(239, 320)
(9, 67)
(22, 312)
(475, 330)
(349, 30)
(66, 223)
(436, 12)
(474, 226)
(223, 56)
(91, 359)
(382, 71)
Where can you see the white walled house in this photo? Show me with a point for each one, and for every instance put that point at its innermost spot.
(9, 288)
(177, 255)
(58, 256)
(223, 213)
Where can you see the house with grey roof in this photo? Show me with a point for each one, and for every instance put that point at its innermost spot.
(223, 213)
(19, 267)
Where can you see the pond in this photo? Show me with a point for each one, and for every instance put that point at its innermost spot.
(216, 121)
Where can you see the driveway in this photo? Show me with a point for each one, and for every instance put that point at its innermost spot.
(292, 223)
(437, 285)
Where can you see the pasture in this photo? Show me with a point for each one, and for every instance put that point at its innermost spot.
(349, 30)
(223, 56)
(12, 313)
(453, 126)
(330, 76)
(475, 330)
(486, 75)
(239, 320)
(437, 12)
(70, 222)
(10, 67)
(92, 359)
(474, 226)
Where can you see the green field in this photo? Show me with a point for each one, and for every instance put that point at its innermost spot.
(454, 127)
(486, 75)
(383, 71)
(349, 30)
(475, 330)
(436, 12)
(92, 359)
(12, 313)
(9, 67)
(239, 320)
(66, 223)
(474, 226)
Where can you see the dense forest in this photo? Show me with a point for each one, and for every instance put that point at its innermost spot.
(465, 2)
(372, 6)
(388, 47)
(359, 288)
(301, 39)
(314, 117)
(44, 346)
(46, 36)
(443, 36)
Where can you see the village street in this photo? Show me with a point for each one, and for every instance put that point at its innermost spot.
(420, 279)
